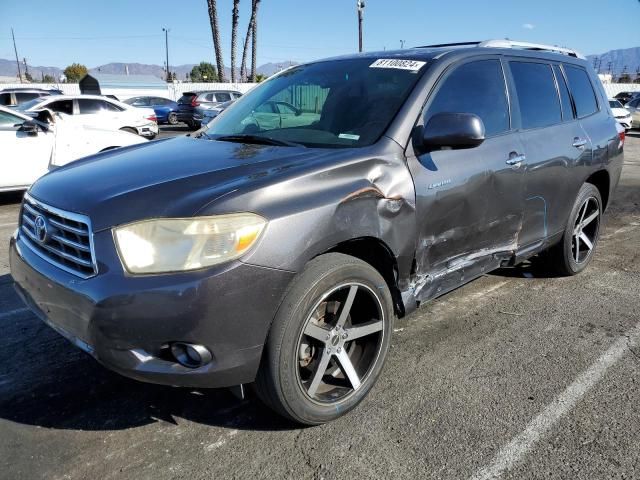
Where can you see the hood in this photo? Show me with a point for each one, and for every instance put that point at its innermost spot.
(165, 178)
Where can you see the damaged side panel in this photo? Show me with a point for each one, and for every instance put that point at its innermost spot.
(469, 215)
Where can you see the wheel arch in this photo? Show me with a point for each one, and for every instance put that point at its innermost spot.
(602, 181)
(376, 253)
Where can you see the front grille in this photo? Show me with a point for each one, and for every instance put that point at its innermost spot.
(62, 238)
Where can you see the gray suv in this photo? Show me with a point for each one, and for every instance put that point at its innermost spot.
(193, 106)
(277, 246)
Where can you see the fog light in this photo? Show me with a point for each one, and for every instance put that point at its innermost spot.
(190, 355)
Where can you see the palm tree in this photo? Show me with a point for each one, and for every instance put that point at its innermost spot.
(254, 39)
(234, 38)
(215, 32)
(245, 48)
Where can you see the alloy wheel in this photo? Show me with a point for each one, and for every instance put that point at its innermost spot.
(340, 343)
(585, 230)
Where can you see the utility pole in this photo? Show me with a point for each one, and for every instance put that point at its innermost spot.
(166, 47)
(16, 50)
(402, 43)
(360, 5)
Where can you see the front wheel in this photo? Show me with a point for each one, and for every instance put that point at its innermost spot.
(328, 342)
(575, 251)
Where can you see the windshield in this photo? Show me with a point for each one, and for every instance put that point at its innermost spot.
(340, 103)
(23, 107)
(615, 104)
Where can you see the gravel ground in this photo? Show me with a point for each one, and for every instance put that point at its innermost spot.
(516, 374)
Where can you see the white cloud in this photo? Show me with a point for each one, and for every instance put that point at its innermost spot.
(528, 26)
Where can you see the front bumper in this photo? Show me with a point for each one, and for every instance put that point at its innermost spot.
(148, 130)
(127, 322)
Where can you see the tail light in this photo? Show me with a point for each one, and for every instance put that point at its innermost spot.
(152, 118)
(193, 101)
(622, 137)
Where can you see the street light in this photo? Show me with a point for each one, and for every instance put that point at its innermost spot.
(360, 5)
(166, 46)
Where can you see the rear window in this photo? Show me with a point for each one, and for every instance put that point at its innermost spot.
(582, 91)
(537, 94)
(223, 97)
(186, 98)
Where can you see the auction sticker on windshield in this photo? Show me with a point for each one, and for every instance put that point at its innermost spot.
(412, 65)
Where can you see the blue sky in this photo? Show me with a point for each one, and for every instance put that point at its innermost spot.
(95, 32)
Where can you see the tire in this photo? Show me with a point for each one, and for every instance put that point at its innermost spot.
(583, 228)
(193, 125)
(172, 119)
(301, 340)
(130, 130)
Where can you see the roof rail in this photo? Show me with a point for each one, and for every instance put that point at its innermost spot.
(511, 44)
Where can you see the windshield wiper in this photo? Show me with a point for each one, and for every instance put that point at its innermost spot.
(256, 139)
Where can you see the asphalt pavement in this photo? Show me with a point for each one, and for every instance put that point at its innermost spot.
(516, 375)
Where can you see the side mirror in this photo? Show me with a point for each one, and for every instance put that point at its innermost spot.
(29, 127)
(452, 130)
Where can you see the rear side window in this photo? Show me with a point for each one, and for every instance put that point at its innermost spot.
(111, 107)
(475, 87)
(223, 97)
(26, 96)
(582, 90)
(89, 105)
(567, 107)
(537, 95)
(5, 99)
(61, 106)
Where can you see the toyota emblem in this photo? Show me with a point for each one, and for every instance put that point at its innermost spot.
(40, 227)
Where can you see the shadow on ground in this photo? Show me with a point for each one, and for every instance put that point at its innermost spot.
(47, 382)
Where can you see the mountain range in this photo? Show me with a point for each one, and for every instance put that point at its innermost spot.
(616, 59)
(8, 69)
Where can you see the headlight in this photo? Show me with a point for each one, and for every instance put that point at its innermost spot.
(179, 244)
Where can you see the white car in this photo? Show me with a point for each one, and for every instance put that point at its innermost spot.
(633, 106)
(30, 148)
(623, 116)
(98, 111)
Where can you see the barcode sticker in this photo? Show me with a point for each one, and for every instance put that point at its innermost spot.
(400, 64)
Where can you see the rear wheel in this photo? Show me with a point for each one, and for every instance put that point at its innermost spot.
(172, 119)
(328, 342)
(575, 251)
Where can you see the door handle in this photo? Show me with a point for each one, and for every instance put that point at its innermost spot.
(579, 142)
(516, 159)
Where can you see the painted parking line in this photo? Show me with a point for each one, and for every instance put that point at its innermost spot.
(520, 445)
(11, 313)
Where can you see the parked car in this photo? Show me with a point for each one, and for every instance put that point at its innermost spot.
(280, 254)
(623, 115)
(634, 108)
(31, 147)
(165, 109)
(12, 97)
(626, 96)
(191, 105)
(209, 114)
(100, 112)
